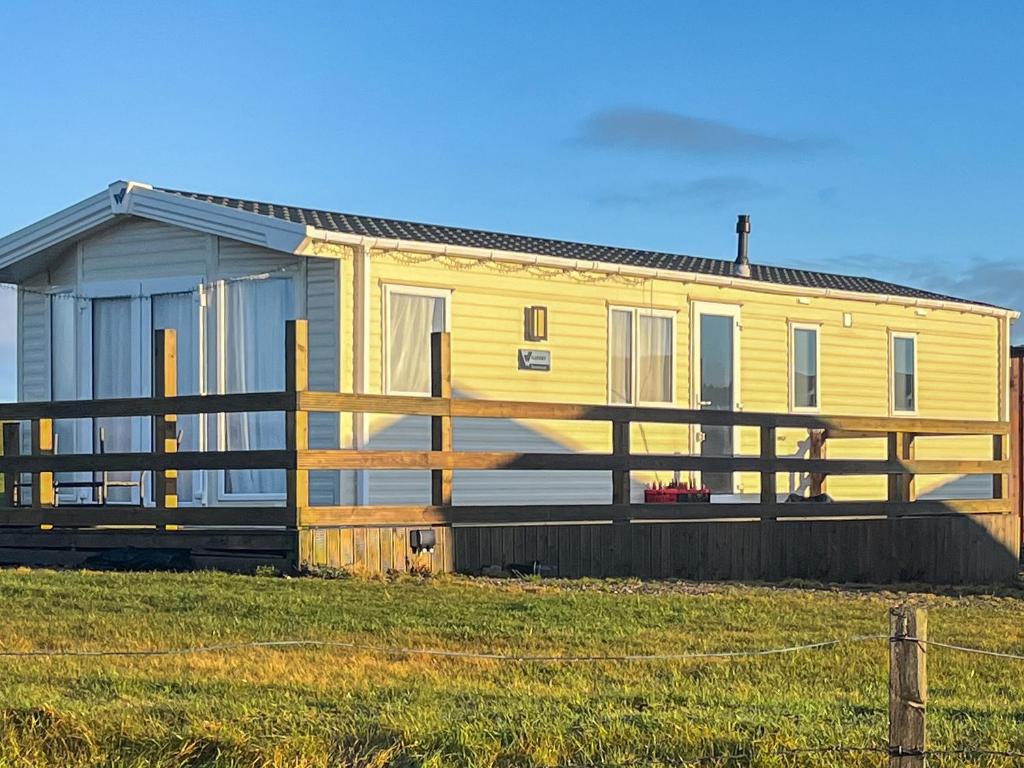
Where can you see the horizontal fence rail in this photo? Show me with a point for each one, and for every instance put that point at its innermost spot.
(163, 463)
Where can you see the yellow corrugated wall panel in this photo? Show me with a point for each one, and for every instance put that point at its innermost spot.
(958, 355)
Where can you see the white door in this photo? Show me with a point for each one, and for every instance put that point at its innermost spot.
(716, 366)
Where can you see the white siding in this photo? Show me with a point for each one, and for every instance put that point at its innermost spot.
(33, 346)
(235, 259)
(324, 314)
(139, 249)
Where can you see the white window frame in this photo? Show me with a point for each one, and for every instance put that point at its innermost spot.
(893, 410)
(637, 313)
(407, 290)
(793, 328)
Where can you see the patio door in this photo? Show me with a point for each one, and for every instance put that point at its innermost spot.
(117, 336)
(716, 383)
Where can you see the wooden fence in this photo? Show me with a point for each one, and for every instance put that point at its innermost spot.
(898, 539)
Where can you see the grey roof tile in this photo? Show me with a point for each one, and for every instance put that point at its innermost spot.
(374, 226)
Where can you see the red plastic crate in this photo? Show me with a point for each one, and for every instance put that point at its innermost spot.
(676, 494)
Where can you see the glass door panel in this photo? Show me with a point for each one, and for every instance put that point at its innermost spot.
(717, 390)
(180, 311)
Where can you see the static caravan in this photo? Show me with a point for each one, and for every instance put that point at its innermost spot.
(616, 326)
(529, 319)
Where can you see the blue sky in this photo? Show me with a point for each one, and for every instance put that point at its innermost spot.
(867, 138)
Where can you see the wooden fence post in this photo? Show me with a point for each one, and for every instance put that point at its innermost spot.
(165, 428)
(901, 449)
(998, 479)
(908, 686)
(818, 438)
(441, 426)
(296, 369)
(621, 481)
(42, 445)
(12, 447)
(769, 492)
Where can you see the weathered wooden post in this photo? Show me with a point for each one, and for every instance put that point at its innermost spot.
(296, 369)
(908, 686)
(998, 478)
(817, 451)
(12, 447)
(900, 451)
(441, 426)
(621, 482)
(165, 428)
(769, 492)
(42, 445)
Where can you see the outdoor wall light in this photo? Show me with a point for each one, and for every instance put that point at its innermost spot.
(422, 540)
(536, 324)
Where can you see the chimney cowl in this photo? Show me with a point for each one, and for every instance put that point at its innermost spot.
(741, 267)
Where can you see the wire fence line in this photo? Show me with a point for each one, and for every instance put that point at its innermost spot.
(439, 652)
(834, 749)
(489, 655)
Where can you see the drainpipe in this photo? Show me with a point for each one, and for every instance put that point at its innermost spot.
(361, 361)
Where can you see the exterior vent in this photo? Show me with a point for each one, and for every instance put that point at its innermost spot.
(741, 267)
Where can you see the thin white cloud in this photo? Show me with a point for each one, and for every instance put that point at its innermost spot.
(652, 129)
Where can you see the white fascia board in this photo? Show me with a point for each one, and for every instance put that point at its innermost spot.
(63, 225)
(132, 198)
(647, 272)
(215, 219)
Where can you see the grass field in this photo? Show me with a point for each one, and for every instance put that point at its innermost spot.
(337, 707)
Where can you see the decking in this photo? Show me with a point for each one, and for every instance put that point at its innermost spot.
(897, 539)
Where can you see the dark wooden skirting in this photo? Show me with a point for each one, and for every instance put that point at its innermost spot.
(152, 549)
(947, 550)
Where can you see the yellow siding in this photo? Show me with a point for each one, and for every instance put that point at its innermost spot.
(958, 354)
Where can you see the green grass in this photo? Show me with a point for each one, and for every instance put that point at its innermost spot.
(317, 707)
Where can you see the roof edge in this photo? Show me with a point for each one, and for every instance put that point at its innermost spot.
(764, 286)
(135, 198)
(140, 199)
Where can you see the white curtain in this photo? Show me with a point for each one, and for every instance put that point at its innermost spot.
(621, 356)
(412, 319)
(654, 360)
(256, 311)
(112, 377)
(178, 311)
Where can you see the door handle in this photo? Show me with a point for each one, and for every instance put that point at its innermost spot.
(702, 403)
(700, 437)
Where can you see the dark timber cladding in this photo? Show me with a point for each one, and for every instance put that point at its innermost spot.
(898, 539)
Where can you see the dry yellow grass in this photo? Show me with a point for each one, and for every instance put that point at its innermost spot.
(336, 707)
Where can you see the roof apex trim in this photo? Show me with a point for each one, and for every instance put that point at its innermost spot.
(134, 198)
